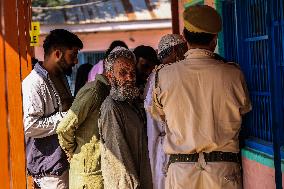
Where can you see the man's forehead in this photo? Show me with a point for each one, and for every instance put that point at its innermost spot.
(123, 60)
(74, 49)
(146, 61)
(70, 49)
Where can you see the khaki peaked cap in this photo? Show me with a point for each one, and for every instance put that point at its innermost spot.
(202, 19)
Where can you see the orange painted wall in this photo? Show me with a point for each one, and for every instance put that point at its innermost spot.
(101, 41)
(15, 64)
(257, 176)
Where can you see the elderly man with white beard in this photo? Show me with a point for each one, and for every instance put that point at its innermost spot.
(124, 154)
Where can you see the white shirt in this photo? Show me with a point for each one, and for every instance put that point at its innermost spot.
(156, 135)
(41, 104)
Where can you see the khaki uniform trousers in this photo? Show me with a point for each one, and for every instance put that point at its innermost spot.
(204, 175)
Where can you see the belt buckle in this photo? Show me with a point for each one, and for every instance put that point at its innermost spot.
(201, 162)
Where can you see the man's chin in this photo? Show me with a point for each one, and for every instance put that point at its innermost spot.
(124, 93)
(128, 86)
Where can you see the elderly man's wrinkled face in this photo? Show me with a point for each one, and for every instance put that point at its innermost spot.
(124, 72)
(123, 79)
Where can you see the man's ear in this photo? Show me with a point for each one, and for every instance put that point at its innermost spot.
(140, 61)
(174, 54)
(58, 54)
(213, 43)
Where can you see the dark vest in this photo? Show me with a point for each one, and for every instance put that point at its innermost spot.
(45, 157)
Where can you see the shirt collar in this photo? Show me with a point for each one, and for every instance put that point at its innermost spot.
(199, 53)
(102, 78)
(39, 69)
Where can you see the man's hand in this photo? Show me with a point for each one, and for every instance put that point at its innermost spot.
(69, 157)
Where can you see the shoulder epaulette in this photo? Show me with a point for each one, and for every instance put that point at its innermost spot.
(220, 58)
(234, 64)
(158, 67)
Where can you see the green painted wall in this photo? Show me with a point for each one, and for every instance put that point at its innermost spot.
(260, 157)
(220, 47)
(193, 2)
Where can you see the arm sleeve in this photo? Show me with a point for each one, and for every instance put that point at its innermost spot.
(118, 168)
(35, 123)
(153, 129)
(245, 102)
(241, 95)
(153, 100)
(85, 100)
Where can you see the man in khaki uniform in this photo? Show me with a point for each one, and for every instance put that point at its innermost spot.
(202, 100)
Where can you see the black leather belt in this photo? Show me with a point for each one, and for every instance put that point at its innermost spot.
(215, 156)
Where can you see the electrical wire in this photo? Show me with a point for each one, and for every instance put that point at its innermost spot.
(70, 6)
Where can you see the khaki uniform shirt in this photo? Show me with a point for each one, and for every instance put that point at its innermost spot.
(202, 100)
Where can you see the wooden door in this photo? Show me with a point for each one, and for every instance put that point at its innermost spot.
(15, 64)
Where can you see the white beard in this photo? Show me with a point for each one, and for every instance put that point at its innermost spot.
(124, 93)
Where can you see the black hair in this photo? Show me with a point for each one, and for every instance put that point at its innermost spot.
(147, 53)
(60, 38)
(116, 43)
(82, 76)
(34, 61)
(198, 38)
